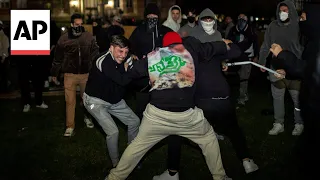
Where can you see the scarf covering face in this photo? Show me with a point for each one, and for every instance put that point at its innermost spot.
(77, 31)
(152, 23)
(208, 27)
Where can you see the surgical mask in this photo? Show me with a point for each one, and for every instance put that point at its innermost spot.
(152, 23)
(242, 24)
(284, 16)
(191, 19)
(208, 27)
(77, 31)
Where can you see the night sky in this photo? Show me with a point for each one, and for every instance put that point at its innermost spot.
(260, 8)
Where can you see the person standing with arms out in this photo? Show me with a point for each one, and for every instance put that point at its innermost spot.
(174, 18)
(145, 38)
(74, 54)
(284, 31)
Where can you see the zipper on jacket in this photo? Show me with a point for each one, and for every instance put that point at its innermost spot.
(79, 68)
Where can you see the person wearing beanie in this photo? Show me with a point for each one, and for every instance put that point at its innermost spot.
(213, 97)
(172, 71)
(174, 18)
(144, 39)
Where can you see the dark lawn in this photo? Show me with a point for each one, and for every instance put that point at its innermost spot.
(33, 146)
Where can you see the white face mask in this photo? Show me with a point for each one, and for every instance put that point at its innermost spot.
(208, 27)
(284, 16)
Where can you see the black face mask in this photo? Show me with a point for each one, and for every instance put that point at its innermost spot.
(77, 31)
(242, 24)
(191, 19)
(152, 23)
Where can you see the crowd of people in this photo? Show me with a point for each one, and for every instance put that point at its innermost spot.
(177, 74)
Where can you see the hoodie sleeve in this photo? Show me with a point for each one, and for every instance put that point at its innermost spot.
(293, 66)
(265, 47)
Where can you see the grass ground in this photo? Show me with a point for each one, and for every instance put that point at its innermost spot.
(33, 148)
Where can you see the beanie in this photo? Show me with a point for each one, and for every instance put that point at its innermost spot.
(152, 8)
(171, 38)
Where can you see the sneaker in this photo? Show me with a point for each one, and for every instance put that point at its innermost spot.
(46, 84)
(250, 166)
(298, 129)
(69, 132)
(26, 108)
(42, 106)
(88, 122)
(166, 176)
(277, 128)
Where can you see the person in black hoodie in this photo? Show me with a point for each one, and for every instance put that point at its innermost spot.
(104, 93)
(306, 69)
(144, 39)
(243, 35)
(173, 73)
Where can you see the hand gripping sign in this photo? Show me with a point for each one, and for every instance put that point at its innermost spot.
(30, 32)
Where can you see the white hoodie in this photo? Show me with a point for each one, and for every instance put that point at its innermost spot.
(170, 23)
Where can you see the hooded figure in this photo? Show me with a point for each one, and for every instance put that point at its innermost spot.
(284, 31)
(170, 22)
(144, 39)
(206, 31)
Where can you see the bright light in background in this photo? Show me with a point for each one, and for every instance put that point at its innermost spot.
(257, 19)
(74, 3)
(63, 28)
(110, 4)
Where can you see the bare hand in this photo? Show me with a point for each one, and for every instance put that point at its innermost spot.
(54, 79)
(134, 57)
(263, 70)
(281, 72)
(227, 41)
(276, 49)
(303, 17)
(255, 59)
(224, 67)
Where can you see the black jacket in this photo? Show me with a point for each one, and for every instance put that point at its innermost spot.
(105, 79)
(74, 55)
(182, 99)
(104, 34)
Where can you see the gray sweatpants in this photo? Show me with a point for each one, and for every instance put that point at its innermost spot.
(244, 74)
(278, 104)
(101, 111)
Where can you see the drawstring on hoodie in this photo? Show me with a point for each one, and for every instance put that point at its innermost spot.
(153, 41)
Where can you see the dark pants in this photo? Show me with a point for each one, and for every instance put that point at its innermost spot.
(32, 69)
(222, 116)
(143, 98)
(4, 69)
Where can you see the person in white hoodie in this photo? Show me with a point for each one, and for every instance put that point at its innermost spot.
(174, 18)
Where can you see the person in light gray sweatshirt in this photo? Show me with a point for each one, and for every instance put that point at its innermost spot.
(285, 32)
(207, 29)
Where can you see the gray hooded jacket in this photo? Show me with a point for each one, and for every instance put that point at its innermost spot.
(199, 33)
(286, 35)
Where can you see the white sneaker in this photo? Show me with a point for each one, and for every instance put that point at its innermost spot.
(69, 132)
(166, 176)
(88, 122)
(26, 108)
(277, 128)
(46, 84)
(298, 129)
(250, 166)
(42, 106)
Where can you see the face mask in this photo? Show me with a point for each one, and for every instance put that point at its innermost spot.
(242, 24)
(191, 19)
(284, 16)
(77, 31)
(152, 23)
(208, 27)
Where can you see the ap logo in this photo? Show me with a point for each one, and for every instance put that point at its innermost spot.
(30, 32)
